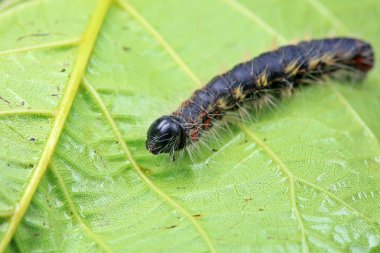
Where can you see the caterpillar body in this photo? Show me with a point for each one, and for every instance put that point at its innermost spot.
(271, 73)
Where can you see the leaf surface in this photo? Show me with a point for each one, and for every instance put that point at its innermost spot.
(80, 82)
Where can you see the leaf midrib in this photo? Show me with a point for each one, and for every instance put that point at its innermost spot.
(84, 52)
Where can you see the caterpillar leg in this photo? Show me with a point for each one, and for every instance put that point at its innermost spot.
(172, 156)
(287, 90)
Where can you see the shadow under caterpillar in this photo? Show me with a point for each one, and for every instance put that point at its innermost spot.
(273, 73)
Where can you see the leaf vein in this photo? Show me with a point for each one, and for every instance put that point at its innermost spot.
(6, 214)
(291, 178)
(72, 208)
(255, 18)
(84, 52)
(354, 113)
(55, 44)
(128, 8)
(324, 11)
(29, 112)
(342, 202)
(140, 172)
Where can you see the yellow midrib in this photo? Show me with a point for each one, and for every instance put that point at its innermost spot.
(84, 53)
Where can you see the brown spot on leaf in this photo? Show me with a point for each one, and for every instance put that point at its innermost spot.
(126, 49)
(147, 172)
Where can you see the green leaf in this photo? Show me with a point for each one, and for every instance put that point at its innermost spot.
(80, 82)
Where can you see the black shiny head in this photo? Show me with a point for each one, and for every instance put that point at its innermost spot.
(166, 135)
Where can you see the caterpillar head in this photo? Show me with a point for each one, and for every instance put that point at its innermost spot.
(166, 135)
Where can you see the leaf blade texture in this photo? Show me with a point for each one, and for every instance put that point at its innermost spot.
(81, 82)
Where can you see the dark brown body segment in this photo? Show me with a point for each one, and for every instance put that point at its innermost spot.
(288, 66)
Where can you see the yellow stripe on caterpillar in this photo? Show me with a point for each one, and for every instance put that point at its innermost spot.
(262, 80)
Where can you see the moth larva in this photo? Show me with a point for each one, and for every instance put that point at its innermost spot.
(271, 73)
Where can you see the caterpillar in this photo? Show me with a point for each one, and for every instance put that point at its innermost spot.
(272, 73)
